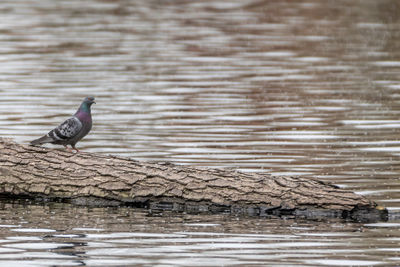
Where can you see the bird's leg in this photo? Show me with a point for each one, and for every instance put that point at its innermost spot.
(67, 148)
(77, 150)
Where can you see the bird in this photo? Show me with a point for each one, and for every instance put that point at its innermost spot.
(72, 130)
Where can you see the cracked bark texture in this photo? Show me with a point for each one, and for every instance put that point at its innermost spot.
(89, 178)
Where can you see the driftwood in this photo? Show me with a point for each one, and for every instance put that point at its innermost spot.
(94, 179)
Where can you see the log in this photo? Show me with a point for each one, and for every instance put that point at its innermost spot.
(97, 179)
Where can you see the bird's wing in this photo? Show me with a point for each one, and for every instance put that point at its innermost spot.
(66, 130)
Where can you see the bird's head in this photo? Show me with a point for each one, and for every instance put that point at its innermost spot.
(89, 100)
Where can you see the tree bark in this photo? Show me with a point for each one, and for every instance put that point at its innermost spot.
(90, 178)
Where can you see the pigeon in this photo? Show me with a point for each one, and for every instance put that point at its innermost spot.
(72, 130)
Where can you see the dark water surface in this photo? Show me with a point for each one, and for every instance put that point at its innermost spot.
(307, 88)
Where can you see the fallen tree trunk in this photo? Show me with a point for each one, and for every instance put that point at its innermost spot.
(88, 178)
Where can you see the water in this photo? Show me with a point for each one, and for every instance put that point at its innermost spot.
(65, 235)
(305, 88)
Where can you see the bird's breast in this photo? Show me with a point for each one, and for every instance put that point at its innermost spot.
(84, 117)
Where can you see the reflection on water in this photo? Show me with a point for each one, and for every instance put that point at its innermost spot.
(126, 236)
(306, 88)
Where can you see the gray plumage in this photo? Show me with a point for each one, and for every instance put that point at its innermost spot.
(72, 130)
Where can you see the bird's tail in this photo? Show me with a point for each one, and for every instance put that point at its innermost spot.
(41, 140)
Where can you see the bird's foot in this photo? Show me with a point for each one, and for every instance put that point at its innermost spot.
(77, 150)
(67, 148)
